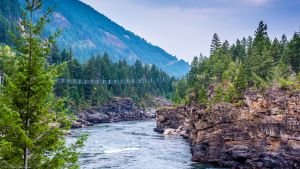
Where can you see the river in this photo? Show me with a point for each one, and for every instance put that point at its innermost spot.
(133, 145)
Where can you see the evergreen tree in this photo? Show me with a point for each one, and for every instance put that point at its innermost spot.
(215, 43)
(55, 55)
(249, 44)
(276, 50)
(202, 97)
(29, 115)
(282, 70)
(225, 46)
(194, 70)
(261, 61)
(283, 41)
(293, 52)
(244, 77)
(238, 51)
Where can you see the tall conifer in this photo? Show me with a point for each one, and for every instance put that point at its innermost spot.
(32, 122)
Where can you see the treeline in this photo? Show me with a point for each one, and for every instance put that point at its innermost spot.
(251, 63)
(102, 68)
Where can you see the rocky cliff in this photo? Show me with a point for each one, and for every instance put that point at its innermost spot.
(118, 109)
(263, 132)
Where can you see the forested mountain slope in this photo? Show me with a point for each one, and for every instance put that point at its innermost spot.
(9, 13)
(87, 32)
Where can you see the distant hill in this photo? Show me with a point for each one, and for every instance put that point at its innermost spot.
(88, 32)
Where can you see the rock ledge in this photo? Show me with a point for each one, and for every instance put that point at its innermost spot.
(264, 132)
(118, 109)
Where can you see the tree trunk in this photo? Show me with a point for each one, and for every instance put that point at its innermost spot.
(26, 151)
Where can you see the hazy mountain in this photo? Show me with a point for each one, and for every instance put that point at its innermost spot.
(88, 32)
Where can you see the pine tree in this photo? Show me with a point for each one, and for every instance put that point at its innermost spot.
(249, 44)
(282, 70)
(261, 61)
(276, 50)
(244, 77)
(202, 96)
(30, 118)
(261, 33)
(194, 70)
(215, 43)
(293, 52)
(283, 41)
(238, 51)
(226, 46)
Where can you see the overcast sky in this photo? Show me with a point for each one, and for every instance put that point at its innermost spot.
(184, 28)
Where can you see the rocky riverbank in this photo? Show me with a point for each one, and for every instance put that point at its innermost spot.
(262, 132)
(115, 110)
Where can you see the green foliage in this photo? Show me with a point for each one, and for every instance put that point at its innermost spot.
(261, 61)
(282, 70)
(250, 63)
(176, 97)
(231, 93)
(238, 50)
(258, 82)
(285, 84)
(244, 76)
(293, 53)
(225, 92)
(202, 97)
(180, 92)
(219, 93)
(231, 71)
(29, 114)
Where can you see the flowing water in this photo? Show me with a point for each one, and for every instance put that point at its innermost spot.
(133, 145)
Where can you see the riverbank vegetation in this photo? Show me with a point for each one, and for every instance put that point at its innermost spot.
(251, 63)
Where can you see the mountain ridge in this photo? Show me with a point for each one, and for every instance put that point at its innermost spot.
(87, 32)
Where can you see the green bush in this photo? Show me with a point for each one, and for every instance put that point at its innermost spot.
(231, 93)
(219, 94)
(285, 84)
(202, 97)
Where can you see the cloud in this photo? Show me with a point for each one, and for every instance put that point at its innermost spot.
(201, 3)
(258, 2)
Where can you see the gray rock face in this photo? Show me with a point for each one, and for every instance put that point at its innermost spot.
(169, 118)
(118, 109)
(264, 132)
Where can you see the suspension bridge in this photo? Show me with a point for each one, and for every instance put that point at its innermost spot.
(110, 81)
(104, 82)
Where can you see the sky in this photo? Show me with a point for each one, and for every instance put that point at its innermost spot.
(184, 28)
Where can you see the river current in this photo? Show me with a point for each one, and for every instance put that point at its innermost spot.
(133, 145)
